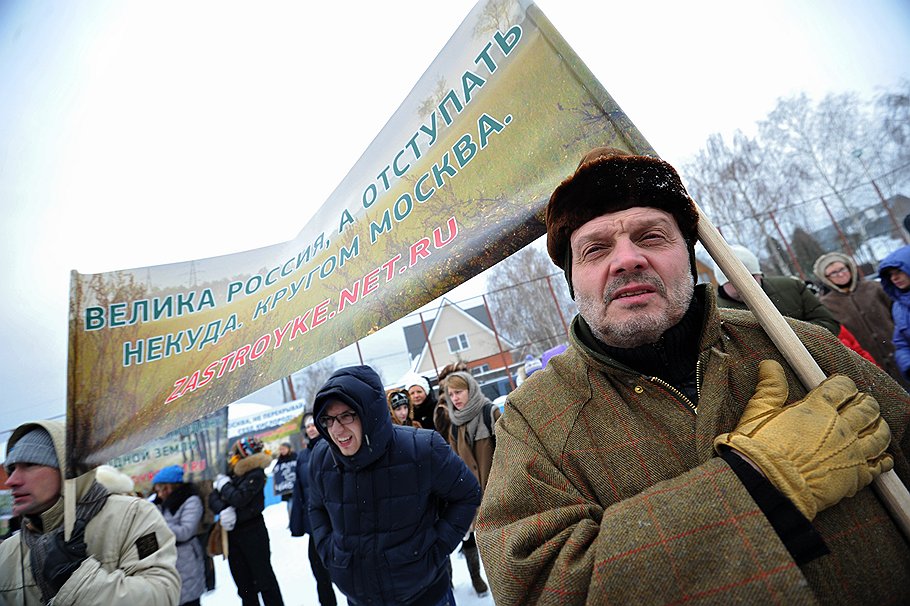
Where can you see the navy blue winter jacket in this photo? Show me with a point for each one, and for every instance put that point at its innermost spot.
(300, 519)
(900, 309)
(386, 518)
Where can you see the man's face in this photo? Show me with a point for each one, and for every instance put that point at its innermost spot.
(631, 274)
(418, 395)
(35, 488)
(838, 273)
(346, 437)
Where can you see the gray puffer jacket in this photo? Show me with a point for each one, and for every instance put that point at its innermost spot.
(182, 511)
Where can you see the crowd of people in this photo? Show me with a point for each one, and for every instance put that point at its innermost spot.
(670, 454)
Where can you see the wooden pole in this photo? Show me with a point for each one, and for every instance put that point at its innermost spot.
(888, 486)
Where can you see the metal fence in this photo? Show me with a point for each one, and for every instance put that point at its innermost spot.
(865, 221)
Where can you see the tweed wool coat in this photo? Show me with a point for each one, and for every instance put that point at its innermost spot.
(793, 299)
(605, 487)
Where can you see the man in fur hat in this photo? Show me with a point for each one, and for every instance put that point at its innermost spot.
(120, 551)
(654, 461)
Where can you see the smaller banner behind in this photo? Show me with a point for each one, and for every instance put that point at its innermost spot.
(199, 447)
(273, 426)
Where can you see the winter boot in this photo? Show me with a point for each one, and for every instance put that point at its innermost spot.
(473, 559)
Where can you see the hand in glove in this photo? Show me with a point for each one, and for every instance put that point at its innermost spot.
(220, 481)
(64, 557)
(228, 518)
(817, 451)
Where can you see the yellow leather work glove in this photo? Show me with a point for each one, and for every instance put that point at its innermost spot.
(817, 451)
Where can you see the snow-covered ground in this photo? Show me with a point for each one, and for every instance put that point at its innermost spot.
(289, 560)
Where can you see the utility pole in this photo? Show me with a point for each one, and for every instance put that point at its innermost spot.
(858, 154)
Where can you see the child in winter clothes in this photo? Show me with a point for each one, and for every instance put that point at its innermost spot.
(241, 497)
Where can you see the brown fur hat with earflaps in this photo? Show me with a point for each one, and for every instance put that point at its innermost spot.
(608, 180)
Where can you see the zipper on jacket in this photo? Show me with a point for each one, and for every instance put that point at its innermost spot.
(680, 395)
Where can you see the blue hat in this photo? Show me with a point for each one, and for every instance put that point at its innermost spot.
(173, 474)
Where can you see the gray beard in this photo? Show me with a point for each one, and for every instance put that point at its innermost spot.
(642, 329)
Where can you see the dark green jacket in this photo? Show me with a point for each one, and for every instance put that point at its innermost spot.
(605, 488)
(792, 299)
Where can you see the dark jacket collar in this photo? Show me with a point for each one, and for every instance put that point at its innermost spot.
(178, 497)
(674, 356)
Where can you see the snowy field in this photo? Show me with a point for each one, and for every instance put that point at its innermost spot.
(292, 567)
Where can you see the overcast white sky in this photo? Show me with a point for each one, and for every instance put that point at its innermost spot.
(140, 133)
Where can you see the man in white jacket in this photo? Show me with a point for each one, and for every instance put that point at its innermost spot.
(120, 551)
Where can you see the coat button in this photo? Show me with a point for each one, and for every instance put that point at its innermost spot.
(639, 389)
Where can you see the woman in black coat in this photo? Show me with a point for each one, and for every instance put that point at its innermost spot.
(300, 520)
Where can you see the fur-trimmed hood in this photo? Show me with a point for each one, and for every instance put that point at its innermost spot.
(247, 464)
(827, 259)
(114, 480)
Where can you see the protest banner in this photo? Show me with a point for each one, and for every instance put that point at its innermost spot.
(456, 181)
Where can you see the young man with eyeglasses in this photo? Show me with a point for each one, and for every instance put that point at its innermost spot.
(387, 503)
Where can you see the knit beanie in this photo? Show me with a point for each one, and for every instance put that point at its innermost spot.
(35, 447)
(748, 259)
(246, 446)
(172, 474)
(415, 379)
(399, 398)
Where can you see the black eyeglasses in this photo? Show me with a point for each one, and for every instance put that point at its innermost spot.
(345, 418)
(837, 272)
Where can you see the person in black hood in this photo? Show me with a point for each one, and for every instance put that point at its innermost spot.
(387, 503)
(300, 519)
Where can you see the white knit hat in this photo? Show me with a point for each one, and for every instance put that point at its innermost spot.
(415, 379)
(747, 258)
